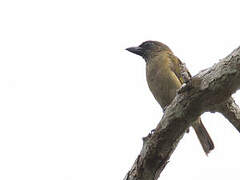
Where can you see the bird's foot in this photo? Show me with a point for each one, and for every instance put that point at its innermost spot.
(185, 87)
(152, 131)
(164, 109)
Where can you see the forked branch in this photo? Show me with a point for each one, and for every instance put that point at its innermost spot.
(210, 90)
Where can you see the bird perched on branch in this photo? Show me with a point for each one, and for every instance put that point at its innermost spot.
(165, 77)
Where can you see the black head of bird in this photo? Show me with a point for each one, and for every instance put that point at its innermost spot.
(148, 49)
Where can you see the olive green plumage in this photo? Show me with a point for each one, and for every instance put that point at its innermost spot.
(164, 78)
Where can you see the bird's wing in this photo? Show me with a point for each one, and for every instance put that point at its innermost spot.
(179, 69)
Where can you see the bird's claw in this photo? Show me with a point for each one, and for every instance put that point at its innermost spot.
(164, 109)
(152, 131)
(185, 87)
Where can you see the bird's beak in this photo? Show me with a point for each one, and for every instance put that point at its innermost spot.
(136, 50)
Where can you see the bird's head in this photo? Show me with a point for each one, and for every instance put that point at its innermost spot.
(149, 49)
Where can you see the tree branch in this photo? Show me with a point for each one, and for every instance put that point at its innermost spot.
(209, 90)
(231, 111)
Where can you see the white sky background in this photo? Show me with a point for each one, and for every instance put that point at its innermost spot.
(74, 104)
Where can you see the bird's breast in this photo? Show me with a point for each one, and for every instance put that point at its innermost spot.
(162, 82)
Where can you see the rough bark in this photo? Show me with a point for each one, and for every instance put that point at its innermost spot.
(231, 111)
(210, 90)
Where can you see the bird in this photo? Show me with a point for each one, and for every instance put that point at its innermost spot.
(164, 78)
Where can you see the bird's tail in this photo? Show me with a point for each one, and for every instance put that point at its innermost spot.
(203, 136)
